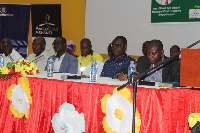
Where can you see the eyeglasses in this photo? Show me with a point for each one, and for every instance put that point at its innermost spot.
(116, 45)
(58, 43)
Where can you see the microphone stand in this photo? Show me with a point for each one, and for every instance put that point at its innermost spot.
(135, 77)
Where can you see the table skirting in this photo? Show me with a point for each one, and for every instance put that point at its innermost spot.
(161, 110)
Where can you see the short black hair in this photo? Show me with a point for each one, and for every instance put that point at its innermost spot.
(6, 40)
(145, 44)
(157, 43)
(86, 40)
(144, 47)
(124, 41)
(42, 39)
(63, 39)
(110, 47)
(177, 47)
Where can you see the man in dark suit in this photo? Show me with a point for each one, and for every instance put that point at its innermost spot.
(63, 62)
(155, 55)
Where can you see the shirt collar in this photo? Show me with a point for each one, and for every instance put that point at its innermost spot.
(61, 57)
(160, 62)
(121, 58)
(91, 52)
(43, 53)
(10, 53)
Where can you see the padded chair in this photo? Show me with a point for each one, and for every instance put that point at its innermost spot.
(87, 68)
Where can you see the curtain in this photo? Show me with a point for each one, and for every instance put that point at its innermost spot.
(161, 110)
(14, 24)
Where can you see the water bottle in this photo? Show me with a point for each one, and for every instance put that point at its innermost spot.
(93, 71)
(1, 61)
(131, 68)
(50, 67)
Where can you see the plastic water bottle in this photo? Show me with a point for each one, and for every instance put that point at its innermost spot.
(131, 69)
(50, 67)
(93, 71)
(1, 61)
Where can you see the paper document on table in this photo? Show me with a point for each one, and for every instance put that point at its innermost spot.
(169, 84)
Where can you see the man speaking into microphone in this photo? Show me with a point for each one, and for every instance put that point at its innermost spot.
(169, 72)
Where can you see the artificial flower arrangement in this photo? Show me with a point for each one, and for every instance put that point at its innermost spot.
(119, 112)
(68, 120)
(20, 97)
(22, 66)
(194, 122)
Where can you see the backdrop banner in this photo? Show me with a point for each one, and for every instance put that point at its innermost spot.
(14, 24)
(175, 11)
(46, 20)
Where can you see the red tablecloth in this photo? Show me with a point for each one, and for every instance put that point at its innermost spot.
(161, 110)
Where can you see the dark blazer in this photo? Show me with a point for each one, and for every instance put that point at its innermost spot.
(69, 64)
(170, 71)
(145, 64)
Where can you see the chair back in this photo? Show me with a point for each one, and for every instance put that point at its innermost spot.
(87, 68)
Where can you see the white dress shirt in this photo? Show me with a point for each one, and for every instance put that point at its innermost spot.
(57, 63)
(40, 60)
(14, 55)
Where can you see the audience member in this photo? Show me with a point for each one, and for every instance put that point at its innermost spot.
(173, 50)
(9, 53)
(71, 47)
(63, 62)
(120, 60)
(144, 48)
(87, 54)
(143, 59)
(109, 49)
(39, 55)
(155, 53)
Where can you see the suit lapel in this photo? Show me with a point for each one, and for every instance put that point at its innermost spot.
(63, 63)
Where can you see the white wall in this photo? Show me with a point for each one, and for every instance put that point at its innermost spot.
(106, 19)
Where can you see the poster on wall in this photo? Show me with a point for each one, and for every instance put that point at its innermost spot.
(46, 20)
(165, 11)
(14, 24)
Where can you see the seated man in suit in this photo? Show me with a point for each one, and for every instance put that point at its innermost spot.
(63, 62)
(173, 50)
(119, 61)
(170, 72)
(87, 54)
(39, 55)
(9, 53)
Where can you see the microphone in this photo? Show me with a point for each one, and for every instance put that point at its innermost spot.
(134, 76)
(122, 86)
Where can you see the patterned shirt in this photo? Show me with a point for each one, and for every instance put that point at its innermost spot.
(111, 66)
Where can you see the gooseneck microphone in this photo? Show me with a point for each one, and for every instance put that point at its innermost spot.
(155, 68)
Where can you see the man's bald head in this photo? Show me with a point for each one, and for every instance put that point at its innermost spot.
(38, 45)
